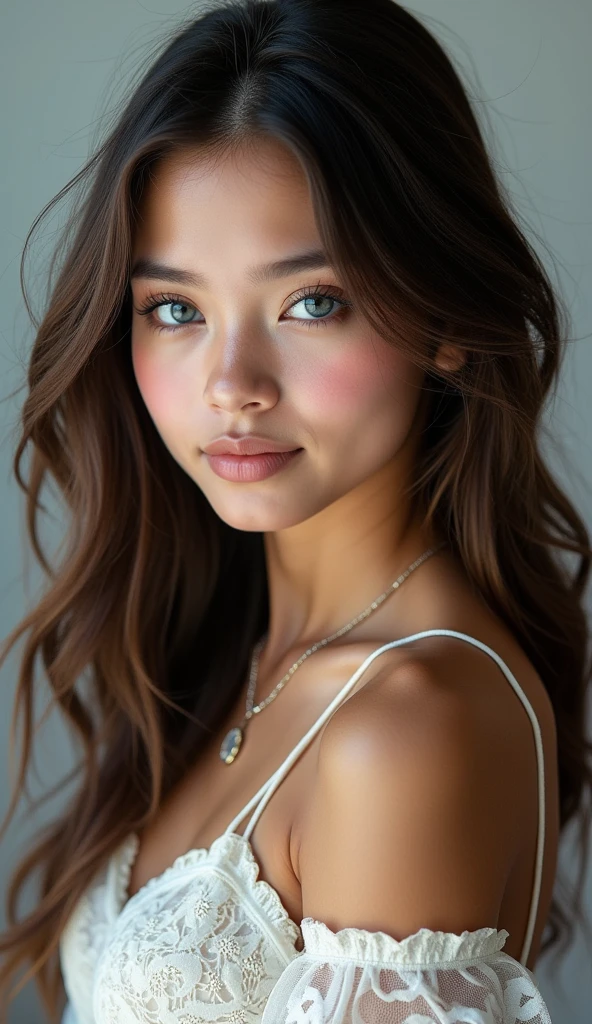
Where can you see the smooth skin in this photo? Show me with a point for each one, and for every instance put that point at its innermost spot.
(416, 806)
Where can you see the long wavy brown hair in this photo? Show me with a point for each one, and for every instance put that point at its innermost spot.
(149, 581)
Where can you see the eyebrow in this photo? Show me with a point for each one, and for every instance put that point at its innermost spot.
(312, 260)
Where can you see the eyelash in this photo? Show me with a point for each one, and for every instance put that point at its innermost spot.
(154, 301)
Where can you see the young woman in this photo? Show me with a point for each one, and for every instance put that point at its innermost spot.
(289, 382)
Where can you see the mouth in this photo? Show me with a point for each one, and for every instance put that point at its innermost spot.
(250, 468)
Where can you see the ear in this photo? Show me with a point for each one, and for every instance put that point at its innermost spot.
(449, 357)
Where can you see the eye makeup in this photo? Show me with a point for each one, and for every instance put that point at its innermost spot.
(319, 291)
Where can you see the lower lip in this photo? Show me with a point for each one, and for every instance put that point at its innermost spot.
(246, 468)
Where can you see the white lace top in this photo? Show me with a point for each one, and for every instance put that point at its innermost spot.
(206, 941)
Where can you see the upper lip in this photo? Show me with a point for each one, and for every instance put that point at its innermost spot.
(248, 444)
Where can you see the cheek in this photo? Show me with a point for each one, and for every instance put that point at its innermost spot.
(160, 386)
(360, 383)
(348, 380)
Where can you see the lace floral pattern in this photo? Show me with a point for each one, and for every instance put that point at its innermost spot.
(88, 929)
(208, 942)
(205, 941)
(354, 976)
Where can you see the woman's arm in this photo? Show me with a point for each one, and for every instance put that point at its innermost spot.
(405, 852)
(409, 824)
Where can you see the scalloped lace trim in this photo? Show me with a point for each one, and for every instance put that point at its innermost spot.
(122, 869)
(229, 848)
(423, 947)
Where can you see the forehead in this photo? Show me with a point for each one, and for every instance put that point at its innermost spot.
(254, 196)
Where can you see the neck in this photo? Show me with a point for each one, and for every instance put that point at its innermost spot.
(323, 572)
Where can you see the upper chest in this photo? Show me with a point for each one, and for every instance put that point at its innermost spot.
(210, 796)
(206, 800)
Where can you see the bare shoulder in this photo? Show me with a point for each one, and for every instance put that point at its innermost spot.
(448, 697)
(447, 691)
(410, 824)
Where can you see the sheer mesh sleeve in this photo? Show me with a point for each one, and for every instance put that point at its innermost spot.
(354, 976)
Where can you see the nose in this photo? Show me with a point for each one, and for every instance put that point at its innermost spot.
(240, 375)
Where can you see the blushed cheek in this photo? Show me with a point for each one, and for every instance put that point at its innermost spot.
(158, 387)
(357, 380)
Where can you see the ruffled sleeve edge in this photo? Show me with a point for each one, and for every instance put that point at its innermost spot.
(424, 948)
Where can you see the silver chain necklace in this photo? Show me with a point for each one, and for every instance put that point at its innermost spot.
(231, 743)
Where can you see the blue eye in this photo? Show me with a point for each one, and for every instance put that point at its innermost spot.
(181, 310)
(311, 297)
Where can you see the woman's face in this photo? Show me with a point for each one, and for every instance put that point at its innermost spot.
(245, 354)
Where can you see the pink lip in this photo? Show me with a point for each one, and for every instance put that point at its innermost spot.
(245, 444)
(248, 468)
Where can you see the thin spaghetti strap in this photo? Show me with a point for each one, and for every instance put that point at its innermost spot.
(252, 802)
(264, 794)
(536, 889)
(269, 787)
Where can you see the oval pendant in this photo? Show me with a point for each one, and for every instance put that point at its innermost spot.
(231, 745)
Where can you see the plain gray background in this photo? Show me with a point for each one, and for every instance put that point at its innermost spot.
(63, 65)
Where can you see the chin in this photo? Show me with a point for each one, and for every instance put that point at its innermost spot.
(260, 519)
